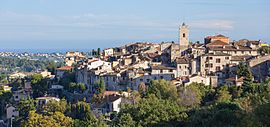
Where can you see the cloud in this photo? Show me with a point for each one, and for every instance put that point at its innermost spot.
(89, 20)
(213, 24)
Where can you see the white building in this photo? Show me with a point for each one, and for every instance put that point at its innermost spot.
(46, 74)
(108, 104)
(44, 100)
(155, 73)
(17, 75)
(182, 67)
(95, 63)
(198, 79)
(108, 52)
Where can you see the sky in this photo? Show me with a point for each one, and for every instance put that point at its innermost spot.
(87, 24)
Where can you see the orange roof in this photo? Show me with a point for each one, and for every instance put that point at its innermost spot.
(217, 43)
(216, 36)
(93, 60)
(65, 68)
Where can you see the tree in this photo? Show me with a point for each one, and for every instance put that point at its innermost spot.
(78, 87)
(142, 89)
(223, 94)
(35, 78)
(189, 97)
(244, 70)
(67, 78)
(3, 78)
(220, 114)
(87, 123)
(151, 111)
(52, 67)
(80, 110)
(25, 106)
(162, 89)
(265, 49)
(17, 84)
(82, 87)
(100, 86)
(192, 95)
(39, 85)
(83, 116)
(262, 114)
(61, 119)
(4, 100)
(55, 119)
(126, 120)
(98, 52)
(55, 106)
(235, 91)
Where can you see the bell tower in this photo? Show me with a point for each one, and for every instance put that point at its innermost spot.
(183, 37)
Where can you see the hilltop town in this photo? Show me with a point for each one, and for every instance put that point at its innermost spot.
(212, 63)
(180, 79)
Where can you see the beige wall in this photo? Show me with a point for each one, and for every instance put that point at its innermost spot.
(199, 79)
(108, 52)
(184, 38)
(224, 39)
(182, 70)
(240, 53)
(211, 65)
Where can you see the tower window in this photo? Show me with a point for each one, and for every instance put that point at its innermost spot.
(184, 35)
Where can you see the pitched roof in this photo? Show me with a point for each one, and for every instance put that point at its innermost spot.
(217, 43)
(217, 54)
(244, 42)
(160, 67)
(65, 68)
(240, 58)
(219, 35)
(233, 79)
(109, 93)
(231, 48)
(254, 42)
(105, 100)
(196, 45)
(182, 61)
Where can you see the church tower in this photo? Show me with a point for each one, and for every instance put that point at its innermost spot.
(183, 37)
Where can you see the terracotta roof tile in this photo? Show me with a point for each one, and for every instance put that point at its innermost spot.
(231, 48)
(217, 43)
(182, 61)
(65, 68)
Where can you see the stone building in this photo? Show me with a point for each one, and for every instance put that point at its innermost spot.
(260, 67)
(182, 67)
(73, 57)
(183, 38)
(219, 37)
(215, 63)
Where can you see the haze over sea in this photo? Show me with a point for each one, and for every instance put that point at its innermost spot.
(61, 25)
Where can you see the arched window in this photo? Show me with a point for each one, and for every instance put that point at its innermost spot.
(184, 35)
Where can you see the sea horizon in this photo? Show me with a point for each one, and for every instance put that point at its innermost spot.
(34, 50)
